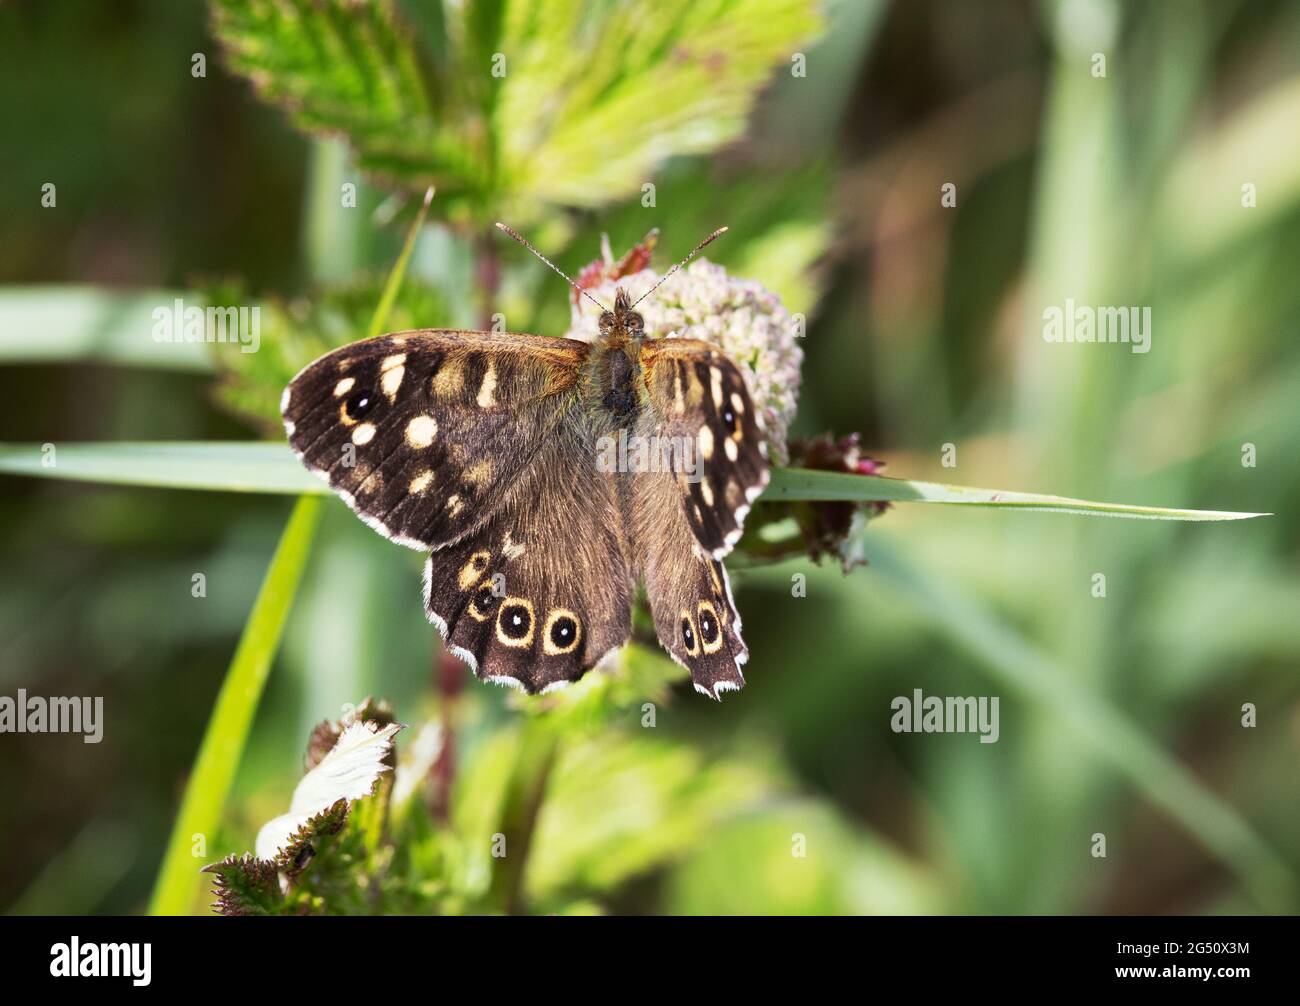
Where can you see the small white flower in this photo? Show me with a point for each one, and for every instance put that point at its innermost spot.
(740, 317)
(348, 772)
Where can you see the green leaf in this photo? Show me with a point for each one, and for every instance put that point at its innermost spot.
(623, 802)
(487, 102)
(227, 732)
(337, 66)
(272, 468)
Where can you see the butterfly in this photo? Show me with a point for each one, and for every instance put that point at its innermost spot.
(484, 449)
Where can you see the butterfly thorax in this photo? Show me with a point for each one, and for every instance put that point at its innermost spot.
(615, 362)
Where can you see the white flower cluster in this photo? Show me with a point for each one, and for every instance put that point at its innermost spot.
(744, 320)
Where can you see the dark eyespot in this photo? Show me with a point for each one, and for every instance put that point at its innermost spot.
(516, 621)
(708, 627)
(688, 634)
(485, 599)
(563, 631)
(729, 416)
(359, 404)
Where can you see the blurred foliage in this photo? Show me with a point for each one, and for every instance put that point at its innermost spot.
(924, 330)
(297, 332)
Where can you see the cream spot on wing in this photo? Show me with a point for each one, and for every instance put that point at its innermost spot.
(389, 362)
(447, 381)
(706, 443)
(363, 434)
(420, 431)
(706, 492)
(374, 483)
(479, 472)
(344, 386)
(391, 381)
(715, 385)
(454, 504)
(421, 482)
(729, 446)
(472, 570)
(679, 403)
(510, 548)
(487, 390)
(737, 402)
(735, 495)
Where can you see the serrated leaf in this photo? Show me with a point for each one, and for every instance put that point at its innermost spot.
(343, 67)
(246, 885)
(487, 102)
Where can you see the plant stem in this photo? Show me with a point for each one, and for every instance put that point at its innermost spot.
(538, 748)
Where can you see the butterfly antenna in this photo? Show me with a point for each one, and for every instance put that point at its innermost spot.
(694, 251)
(525, 242)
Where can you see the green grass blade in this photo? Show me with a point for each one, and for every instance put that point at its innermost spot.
(272, 468)
(803, 484)
(221, 467)
(380, 317)
(223, 742)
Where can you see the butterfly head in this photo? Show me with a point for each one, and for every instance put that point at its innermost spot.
(622, 320)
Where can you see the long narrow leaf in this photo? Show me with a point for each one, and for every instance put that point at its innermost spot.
(223, 743)
(272, 468)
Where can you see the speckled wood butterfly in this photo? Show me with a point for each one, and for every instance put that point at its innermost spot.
(482, 449)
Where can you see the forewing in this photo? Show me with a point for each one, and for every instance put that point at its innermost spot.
(423, 433)
(543, 590)
(696, 393)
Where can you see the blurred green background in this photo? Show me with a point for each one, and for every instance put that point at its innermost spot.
(1119, 715)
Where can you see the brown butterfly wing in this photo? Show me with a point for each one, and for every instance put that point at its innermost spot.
(543, 590)
(422, 433)
(689, 593)
(695, 392)
(682, 526)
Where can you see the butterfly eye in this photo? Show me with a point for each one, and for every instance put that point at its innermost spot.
(485, 599)
(563, 631)
(688, 636)
(708, 627)
(359, 404)
(635, 322)
(516, 621)
(607, 320)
